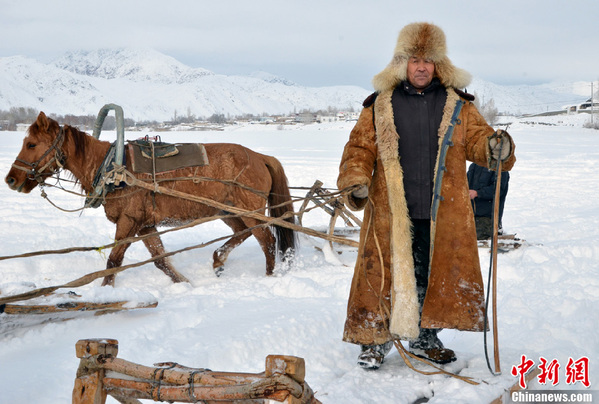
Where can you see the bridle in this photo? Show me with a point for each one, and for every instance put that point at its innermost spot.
(35, 173)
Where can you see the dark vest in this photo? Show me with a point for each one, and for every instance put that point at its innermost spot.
(417, 119)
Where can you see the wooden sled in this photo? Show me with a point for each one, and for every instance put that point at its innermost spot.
(101, 374)
(331, 204)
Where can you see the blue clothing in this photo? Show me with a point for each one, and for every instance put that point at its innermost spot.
(483, 181)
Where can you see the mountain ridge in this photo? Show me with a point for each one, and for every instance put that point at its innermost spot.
(150, 85)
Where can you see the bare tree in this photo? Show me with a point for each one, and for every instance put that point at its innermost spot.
(489, 112)
(487, 109)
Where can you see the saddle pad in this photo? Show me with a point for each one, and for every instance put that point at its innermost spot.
(189, 155)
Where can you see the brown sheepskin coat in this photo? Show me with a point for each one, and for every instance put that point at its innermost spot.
(383, 301)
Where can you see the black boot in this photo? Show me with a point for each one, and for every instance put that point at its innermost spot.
(372, 356)
(429, 346)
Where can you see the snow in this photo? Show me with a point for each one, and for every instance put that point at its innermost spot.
(548, 291)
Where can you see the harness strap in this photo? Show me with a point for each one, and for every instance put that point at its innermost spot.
(38, 174)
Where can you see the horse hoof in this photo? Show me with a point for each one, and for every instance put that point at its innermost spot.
(219, 270)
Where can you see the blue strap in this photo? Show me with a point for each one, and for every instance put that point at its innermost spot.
(437, 198)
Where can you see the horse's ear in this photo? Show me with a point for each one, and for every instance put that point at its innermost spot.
(42, 121)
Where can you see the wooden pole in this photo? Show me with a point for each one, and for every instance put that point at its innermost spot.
(495, 239)
(75, 307)
(89, 384)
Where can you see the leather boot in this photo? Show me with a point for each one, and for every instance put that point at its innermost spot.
(372, 356)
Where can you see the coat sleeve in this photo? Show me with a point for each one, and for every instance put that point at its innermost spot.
(478, 133)
(359, 157)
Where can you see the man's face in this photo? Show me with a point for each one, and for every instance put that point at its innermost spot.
(420, 72)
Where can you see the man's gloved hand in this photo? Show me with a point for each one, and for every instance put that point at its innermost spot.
(361, 192)
(500, 150)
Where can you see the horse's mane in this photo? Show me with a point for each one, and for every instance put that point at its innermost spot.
(79, 137)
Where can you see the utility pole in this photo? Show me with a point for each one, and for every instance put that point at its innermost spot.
(592, 103)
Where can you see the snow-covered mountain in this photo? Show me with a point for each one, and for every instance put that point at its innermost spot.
(529, 99)
(136, 65)
(152, 86)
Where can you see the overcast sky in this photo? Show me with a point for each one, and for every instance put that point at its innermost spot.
(317, 43)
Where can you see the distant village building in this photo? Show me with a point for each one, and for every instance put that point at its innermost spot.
(339, 116)
(326, 118)
(306, 117)
(585, 107)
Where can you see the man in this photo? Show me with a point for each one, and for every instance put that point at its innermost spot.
(417, 269)
(482, 183)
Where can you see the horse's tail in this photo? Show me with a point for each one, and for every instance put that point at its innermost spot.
(279, 203)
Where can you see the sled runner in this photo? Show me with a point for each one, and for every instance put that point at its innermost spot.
(58, 307)
(505, 243)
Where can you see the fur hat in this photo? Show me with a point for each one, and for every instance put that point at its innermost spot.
(423, 40)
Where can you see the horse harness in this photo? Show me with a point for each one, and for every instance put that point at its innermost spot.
(146, 156)
(32, 170)
(108, 178)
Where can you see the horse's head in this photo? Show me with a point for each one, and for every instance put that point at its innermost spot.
(40, 157)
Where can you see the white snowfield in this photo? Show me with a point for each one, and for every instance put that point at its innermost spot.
(548, 291)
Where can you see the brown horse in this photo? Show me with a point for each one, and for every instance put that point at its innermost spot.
(137, 211)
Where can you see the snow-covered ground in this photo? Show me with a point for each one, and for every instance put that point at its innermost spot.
(548, 291)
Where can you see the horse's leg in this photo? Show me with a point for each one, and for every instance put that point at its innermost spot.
(155, 247)
(221, 253)
(124, 228)
(266, 240)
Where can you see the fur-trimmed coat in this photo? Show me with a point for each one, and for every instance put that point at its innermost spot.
(383, 302)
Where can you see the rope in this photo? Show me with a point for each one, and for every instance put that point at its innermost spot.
(154, 168)
(88, 278)
(45, 196)
(405, 354)
(131, 240)
(157, 382)
(335, 196)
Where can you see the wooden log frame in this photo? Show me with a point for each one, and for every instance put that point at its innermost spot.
(101, 373)
(322, 198)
